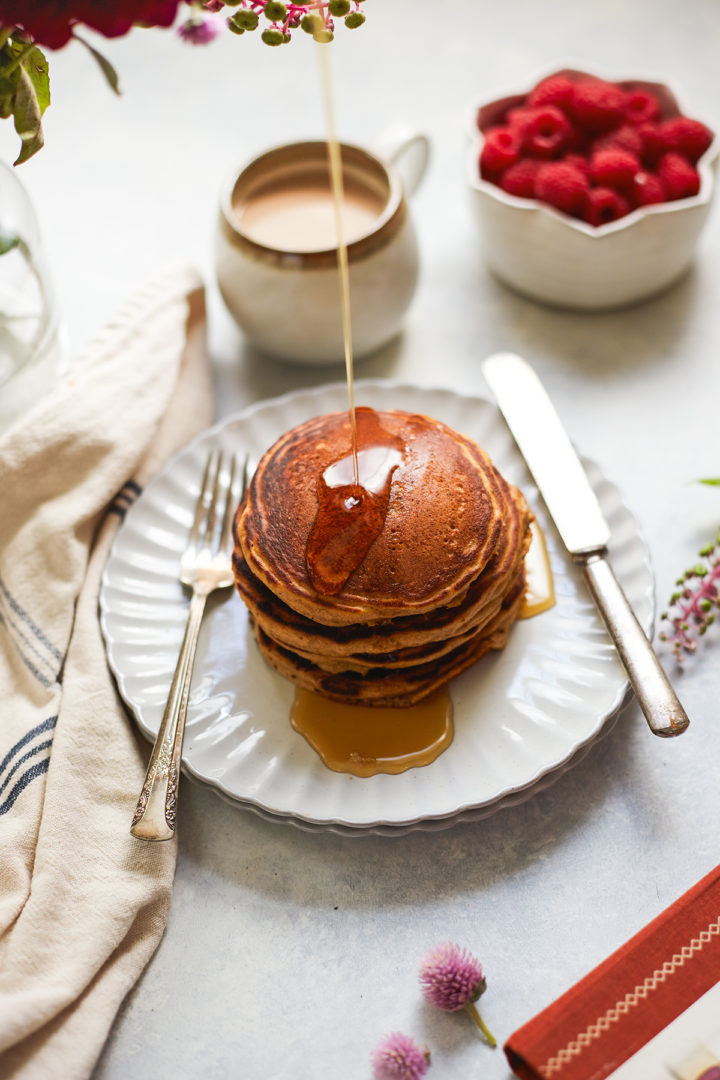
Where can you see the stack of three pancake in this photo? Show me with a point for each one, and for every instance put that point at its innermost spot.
(441, 584)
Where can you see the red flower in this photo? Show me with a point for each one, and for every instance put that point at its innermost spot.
(51, 22)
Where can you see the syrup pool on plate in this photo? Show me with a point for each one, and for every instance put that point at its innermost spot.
(364, 741)
(539, 591)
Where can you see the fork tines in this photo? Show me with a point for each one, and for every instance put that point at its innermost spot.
(220, 488)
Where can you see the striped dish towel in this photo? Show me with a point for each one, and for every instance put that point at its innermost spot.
(651, 1010)
(82, 904)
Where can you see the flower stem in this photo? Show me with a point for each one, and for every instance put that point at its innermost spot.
(19, 59)
(477, 1019)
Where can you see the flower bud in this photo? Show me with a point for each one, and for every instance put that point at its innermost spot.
(247, 20)
(275, 10)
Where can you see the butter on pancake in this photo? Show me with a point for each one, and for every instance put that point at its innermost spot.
(440, 585)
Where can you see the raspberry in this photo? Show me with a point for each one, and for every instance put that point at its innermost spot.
(597, 105)
(547, 132)
(501, 149)
(624, 138)
(519, 179)
(604, 205)
(680, 179)
(613, 168)
(681, 135)
(641, 106)
(647, 188)
(519, 118)
(555, 90)
(653, 145)
(579, 161)
(579, 143)
(562, 186)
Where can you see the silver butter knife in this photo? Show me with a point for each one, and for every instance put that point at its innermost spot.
(565, 488)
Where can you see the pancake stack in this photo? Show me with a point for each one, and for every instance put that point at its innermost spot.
(441, 584)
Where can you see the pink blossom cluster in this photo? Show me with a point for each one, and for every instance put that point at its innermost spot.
(694, 604)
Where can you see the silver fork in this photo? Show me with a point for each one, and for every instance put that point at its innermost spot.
(204, 567)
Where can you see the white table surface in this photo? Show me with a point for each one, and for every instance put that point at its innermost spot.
(288, 954)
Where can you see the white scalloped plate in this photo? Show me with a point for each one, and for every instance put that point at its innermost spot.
(520, 715)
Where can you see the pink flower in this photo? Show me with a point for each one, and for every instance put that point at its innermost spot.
(452, 979)
(397, 1057)
(694, 605)
(198, 30)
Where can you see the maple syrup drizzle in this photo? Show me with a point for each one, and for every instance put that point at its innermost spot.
(353, 499)
(336, 180)
(364, 740)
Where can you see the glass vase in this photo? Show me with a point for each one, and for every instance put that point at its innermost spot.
(30, 352)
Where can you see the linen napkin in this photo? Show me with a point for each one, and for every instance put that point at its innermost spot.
(82, 903)
(652, 1009)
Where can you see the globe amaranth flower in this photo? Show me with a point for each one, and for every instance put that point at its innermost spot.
(398, 1057)
(51, 22)
(452, 979)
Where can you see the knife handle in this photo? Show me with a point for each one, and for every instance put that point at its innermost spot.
(656, 697)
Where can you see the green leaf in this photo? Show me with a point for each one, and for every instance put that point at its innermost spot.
(28, 118)
(715, 482)
(38, 70)
(8, 241)
(24, 93)
(103, 63)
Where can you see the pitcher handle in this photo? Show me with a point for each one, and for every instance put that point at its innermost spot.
(408, 151)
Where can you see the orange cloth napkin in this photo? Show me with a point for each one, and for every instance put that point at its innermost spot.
(606, 1018)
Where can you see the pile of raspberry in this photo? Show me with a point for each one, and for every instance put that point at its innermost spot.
(593, 149)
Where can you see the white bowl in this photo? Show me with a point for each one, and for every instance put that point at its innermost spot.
(564, 262)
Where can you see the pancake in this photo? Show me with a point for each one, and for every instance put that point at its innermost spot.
(441, 527)
(439, 585)
(388, 686)
(295, 631)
